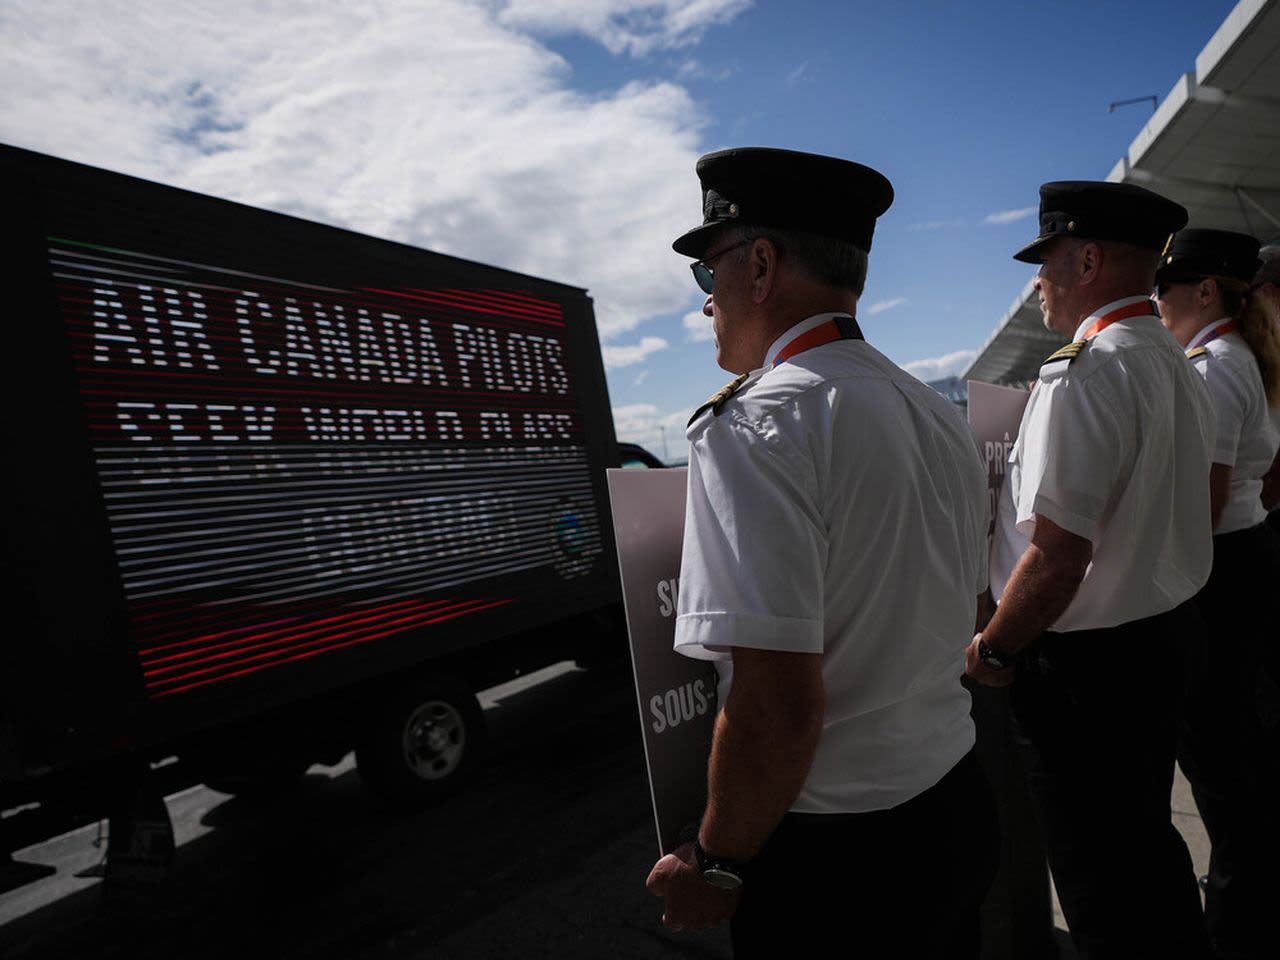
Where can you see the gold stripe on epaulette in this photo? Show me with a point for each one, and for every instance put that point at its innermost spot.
(1068, 353)
(719, 398)
(1197, 352)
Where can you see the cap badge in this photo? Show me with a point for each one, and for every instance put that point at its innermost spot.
(1071, 225)
(733, 209)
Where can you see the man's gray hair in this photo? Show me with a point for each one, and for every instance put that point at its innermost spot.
(1269, 272)
(836, 263)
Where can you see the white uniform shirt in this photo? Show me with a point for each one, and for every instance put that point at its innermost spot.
(837, 505)
(1114, 447)
(1246, 436)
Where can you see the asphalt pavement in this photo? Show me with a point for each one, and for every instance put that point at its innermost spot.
(544, 855)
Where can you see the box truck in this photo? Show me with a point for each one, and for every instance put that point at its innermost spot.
(273, 490)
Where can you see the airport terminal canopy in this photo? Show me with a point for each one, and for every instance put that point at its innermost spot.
(1213, 145)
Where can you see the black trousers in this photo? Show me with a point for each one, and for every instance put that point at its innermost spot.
(1226, 745)
(1097, 716)
(903, 882)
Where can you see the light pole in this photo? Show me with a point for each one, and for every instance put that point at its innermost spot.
(1125, 103)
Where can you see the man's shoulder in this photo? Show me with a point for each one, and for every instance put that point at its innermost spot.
(855, 364)
(763, 392)
(1119, 355)
(1231, 351)
(1137, 335)
(1228, 364)
(844, 376)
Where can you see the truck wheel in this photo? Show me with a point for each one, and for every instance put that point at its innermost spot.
(422, 742)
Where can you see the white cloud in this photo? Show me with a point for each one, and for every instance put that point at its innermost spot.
(880, 306)
(633, 416)
(626, 356)
(698, 327)
(662, 434)
(440, 125)
(694, 69)
(623, 26)
(798, 74)
(1009, 216)
(935, 368)
(640, 378)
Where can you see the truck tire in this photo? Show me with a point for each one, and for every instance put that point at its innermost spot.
(422, 742)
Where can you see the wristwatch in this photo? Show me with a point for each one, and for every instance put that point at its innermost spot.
(717, 871)
(991, 658)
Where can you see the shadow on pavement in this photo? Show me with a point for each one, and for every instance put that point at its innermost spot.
(544, 855)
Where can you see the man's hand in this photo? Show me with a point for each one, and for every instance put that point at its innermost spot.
(691, 902)
(1040, 589)
(975, 668)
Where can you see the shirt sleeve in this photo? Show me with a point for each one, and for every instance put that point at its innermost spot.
(1230, 397)
(755, 546)
(1071, 449)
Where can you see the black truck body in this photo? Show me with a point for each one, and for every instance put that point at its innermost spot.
(253, 462)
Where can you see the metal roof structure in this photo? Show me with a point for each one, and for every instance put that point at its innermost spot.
(1213, 145)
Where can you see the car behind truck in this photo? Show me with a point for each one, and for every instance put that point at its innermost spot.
(272, 490)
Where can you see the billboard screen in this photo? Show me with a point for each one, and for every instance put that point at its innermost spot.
(291, 440)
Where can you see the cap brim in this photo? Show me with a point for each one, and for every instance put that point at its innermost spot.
(697, 241)
(1034, 251)
(1180, 272)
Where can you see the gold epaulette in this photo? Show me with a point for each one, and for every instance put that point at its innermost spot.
(1197, 352)
(719, 398)
(1067, 353)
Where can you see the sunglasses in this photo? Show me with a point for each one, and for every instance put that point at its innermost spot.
(1162, 288)
(704, 274)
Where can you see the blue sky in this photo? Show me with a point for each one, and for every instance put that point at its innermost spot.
(557, 137)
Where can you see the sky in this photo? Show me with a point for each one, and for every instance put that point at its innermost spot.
(558, 137)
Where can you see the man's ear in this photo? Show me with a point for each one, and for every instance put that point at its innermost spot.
(1206, 291)
(1088, 262)
(762, 268)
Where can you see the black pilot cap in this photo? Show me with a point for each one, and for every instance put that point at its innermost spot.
(786, 190)
(1209, 253)
(1099, 210)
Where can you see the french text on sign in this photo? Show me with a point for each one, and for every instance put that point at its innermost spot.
(679, 705)
(668, 592)
(997, 454)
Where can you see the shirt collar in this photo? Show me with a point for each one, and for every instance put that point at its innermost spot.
(1205, 330)
(804, 326)
(1104, 310)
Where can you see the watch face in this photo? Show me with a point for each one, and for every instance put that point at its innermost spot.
(989, 657)
(721, 878)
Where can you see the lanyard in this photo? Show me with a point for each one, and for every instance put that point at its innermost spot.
(837, 328)
(1123, 313)
(1212, 335)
